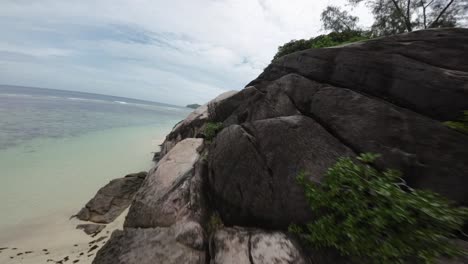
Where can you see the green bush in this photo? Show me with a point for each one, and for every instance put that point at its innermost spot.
(211, 129)
(461, 125)
(374, 217)
(322, 41)
(214, 223)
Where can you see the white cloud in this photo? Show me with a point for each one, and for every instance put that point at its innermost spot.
(33, 51)
(171, 51)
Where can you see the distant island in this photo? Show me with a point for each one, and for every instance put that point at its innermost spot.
(194, 106)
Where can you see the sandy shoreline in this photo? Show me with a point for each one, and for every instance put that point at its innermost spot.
(53, 239)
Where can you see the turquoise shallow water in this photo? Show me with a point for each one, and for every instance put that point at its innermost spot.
(55, 153)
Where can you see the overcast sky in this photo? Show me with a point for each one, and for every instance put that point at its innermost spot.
(178, 51)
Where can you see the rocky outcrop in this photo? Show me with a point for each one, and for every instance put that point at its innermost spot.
(165, 196)
(147, 246)
(259, 188)
(300, 115)
(421, 71)
(349, 93)
(249, 246)
(91, 229)
(165, 220)
(192, 126)
(111, 200)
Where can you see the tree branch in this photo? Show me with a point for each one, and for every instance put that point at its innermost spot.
(423, 5)
(405, 20)
(408, 15)
(441, 13)
(430, 3)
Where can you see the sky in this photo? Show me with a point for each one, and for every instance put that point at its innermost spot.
(177, 52)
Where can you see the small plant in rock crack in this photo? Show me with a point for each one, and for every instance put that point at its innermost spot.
(461, 125)
(214, 223)
(372, 216)
(211, 129)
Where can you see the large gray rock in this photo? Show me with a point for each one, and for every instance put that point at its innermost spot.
(425, 71)
(248, 246)
(253, 169)
(305, 111)
(193, 125)
(252, 104)
(111, 200)
(165, 196)
(91, 229)
(147, 246)
(164, 223)
(430, 155)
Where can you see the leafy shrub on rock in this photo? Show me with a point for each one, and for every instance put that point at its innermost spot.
(322, 41)
(211, 129)
(461, 125)
(373, 216)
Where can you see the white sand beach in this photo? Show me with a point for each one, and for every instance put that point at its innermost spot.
(54, 239)
(39, 194)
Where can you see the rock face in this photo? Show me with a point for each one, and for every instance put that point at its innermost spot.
(91, 229)
(259, 187)
(147, 246)
(306, 110)
(383, 96)
(421, 71)
(164, 223)
(193, 125)
(244, 246)
(164, 197)
(111, 200)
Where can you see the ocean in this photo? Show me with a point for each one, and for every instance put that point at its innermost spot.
(57, 148)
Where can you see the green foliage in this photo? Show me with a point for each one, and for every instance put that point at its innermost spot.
(322, 41)
(214, 223)
(373, 217)
(211, 129)
(461, 125)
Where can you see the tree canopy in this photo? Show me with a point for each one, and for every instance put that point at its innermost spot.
(334, 19)
(398, 16)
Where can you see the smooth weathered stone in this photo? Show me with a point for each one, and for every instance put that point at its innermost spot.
(111, 200)
(430, 155)
(435, 160)
(164, 197)
(247, 246)
(425, 71)
(274, 247)
(147, 246)
(191, 234)
(192, 126)
(253, 169)
(230, 246)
